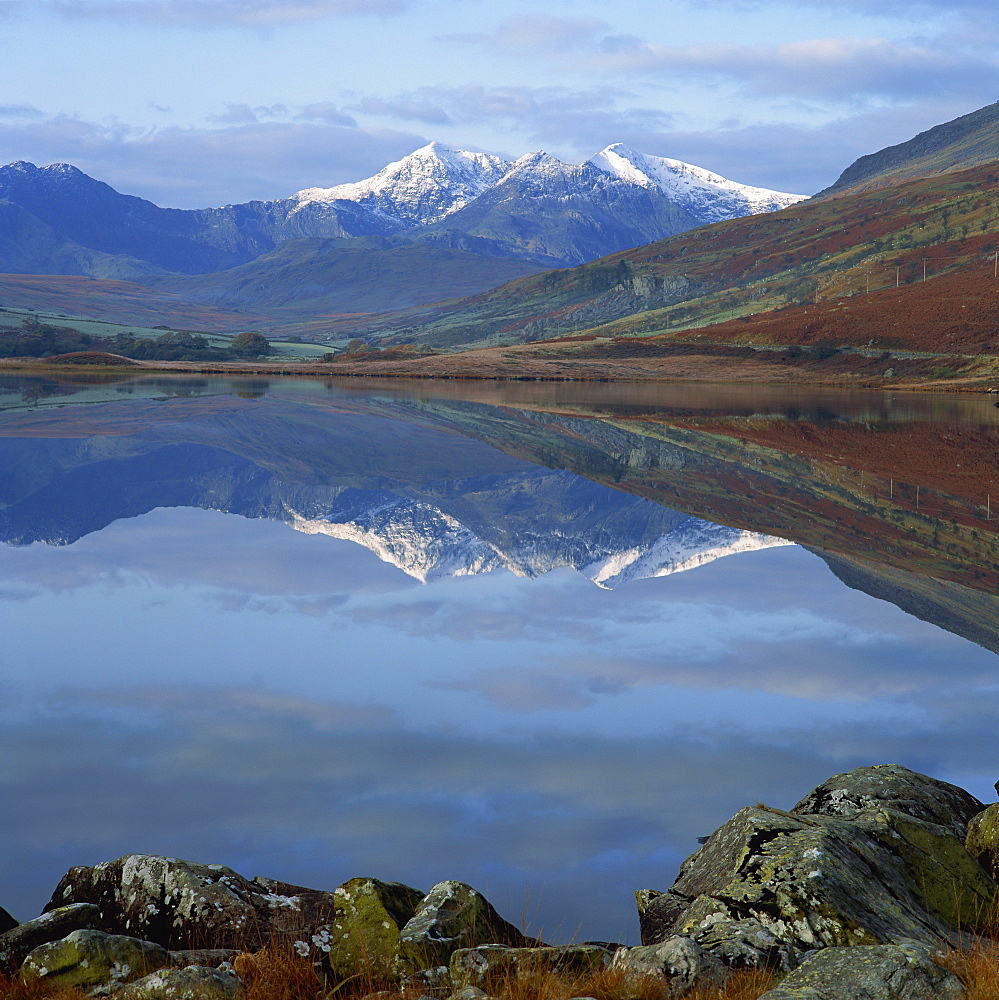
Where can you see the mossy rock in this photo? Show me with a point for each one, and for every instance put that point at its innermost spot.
(87, 959)
(982, 839)
(879, 972)
(489, 965)
(364, 937)
(453, 915)
(17, 943)
(855, 872)
(195, 982)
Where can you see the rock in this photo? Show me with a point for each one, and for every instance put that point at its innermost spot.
(452, 916)
(7, 922)
(468, 993)
(890, 786)
(490, 964)
(182, 905)
(433, 982)
(196, 982)
(680, 959)
(871, 972)
(747, 944)
(88, 958)
(857, 872)
(982, 839)
(365, 934)
(210, 957)
(15, 944)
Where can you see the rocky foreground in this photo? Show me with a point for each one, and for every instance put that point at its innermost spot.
(857, 893)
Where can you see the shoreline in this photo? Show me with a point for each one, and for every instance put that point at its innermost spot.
(503, 365)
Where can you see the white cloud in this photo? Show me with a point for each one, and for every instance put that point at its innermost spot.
(243, 159)
(535, 33)
(253, 13)
(823, 68)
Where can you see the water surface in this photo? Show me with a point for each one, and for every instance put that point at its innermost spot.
(536, 637)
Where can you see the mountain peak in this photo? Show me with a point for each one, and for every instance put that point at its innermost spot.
(430, 183)
(706, 194)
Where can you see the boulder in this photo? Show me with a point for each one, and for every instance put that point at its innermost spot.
(210, 957)
(452, 916)
(88, 958)
(770, 885)
(680, 959)
(195, 982)
(7, 922)
(182, 905)
(365, 933)
(869, 972)
(982, 839)
(16, 943)
(489, 965)
(891, 786)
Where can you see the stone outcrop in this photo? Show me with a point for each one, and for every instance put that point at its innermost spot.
(86, 959)
(179, 904)
(488, 965)
(872, 857)
(452, 916)
(681, 960)
(195, 982)
(15, 944)
(365, 934)
(869, 972)
(854, 894)
(982, 839)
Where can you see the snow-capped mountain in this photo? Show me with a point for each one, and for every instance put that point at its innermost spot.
(536, 209)
(427, 544)
(420, 188)
(706, 195)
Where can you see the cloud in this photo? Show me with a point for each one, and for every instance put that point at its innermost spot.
(210, 13)
(535, 33)
(822, 68)
(243, 158)
(543, 115)
(405, 109)
(20, 111)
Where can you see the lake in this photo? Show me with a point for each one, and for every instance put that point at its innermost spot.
(537, 637)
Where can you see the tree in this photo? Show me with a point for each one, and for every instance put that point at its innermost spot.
(250, 344)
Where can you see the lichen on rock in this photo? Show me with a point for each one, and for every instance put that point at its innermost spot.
(488, 965)
(869, 972)
(364, 936)
(880, 860)
(88, 959)
(453, 915)
(982, 839)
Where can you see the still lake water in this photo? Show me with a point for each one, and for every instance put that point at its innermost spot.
(538, 638)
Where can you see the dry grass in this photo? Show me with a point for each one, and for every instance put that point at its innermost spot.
(978, 970)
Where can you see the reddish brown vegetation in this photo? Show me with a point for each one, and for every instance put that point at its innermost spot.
(952, 313)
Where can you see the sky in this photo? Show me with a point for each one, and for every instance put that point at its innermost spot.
(191, 103)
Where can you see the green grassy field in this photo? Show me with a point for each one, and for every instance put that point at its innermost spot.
(101, 328)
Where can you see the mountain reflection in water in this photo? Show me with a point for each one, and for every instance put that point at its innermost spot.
(185, 682)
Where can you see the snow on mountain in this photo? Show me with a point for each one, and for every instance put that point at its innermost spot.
(427, 544)
(421, 188)
(438, 180)
(707, 195)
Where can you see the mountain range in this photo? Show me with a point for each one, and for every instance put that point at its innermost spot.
(919, 210)
(451, 507)
(445, 247)
(440, 223)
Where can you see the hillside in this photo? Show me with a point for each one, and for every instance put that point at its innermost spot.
(956, 145)
(311, 277)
